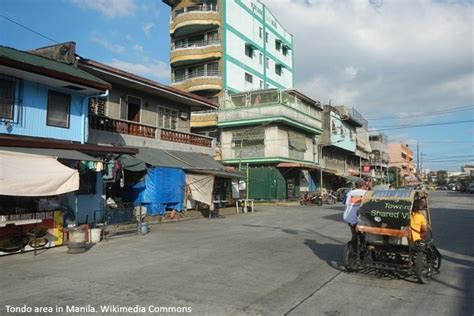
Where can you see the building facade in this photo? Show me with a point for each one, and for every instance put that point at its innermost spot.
(379, 159)
(43, 98)
(142, 113)
(341, 149)
(273, 134)
(401, 158)
(228, 45)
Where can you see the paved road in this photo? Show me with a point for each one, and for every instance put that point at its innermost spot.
(278, 261)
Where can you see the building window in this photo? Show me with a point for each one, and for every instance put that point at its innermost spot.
(7, 93)
(167, 118)
(260, 32)
(130, 109)
(285, 50)
(261, 84)
(260, 58)
(179, 75)
(267, 86)
(249, 50)
(267, 62)
(278, 68)
(212, 69)
(249, 142)
(266, 37)
(277, 44)
(59, 105)
(248, 77)
(87, 182)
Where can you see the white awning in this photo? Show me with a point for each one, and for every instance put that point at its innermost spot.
(34, 175)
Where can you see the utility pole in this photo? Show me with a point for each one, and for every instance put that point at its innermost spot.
(417, 159)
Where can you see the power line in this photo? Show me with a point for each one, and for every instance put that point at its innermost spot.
(431, 113)
(394, 127)
(29, 29)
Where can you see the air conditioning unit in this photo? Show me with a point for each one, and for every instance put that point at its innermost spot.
(184, 115)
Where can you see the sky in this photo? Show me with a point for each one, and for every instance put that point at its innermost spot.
(399, 62)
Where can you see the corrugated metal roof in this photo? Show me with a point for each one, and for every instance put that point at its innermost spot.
(59, 153)
(192, 162)
(177, 159)
(48, 64)
(402, 194)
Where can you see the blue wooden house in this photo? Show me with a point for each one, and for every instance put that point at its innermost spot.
(41, 97)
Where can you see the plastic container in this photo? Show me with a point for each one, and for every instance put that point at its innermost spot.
(77, 240)
(95, 235)
(143, 228)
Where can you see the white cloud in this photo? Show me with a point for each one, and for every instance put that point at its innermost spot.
(115, 48)
(138, 48)
(383, 57)
(349, 72)
(147, 29)
(109, 8)
(156, 69)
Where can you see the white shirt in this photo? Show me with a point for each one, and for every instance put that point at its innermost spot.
(353, 201)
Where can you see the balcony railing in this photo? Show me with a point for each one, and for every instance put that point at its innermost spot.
(276, 97)
(185, 138)
(107, 124)
(195, 8)
(196, 74)
(195, 44)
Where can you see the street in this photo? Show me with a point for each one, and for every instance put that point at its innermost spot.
(280, 260)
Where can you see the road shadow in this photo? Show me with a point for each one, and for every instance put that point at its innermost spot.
(331, 253)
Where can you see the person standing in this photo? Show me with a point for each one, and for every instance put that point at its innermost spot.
(353, 202)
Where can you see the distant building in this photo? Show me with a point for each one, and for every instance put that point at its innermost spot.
(228, 45)
(401, 157)
(380, 156)
(273, 132)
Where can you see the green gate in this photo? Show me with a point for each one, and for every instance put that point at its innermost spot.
(266, 183)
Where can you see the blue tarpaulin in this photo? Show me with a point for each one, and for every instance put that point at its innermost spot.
(162, 189)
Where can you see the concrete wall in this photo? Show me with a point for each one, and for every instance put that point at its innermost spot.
(30, 117)
(108, 138)
(149, 109)
(276, 144)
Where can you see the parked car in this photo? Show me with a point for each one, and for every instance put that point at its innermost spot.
(471, 187)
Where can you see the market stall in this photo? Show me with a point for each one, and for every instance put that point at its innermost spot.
(30, 214)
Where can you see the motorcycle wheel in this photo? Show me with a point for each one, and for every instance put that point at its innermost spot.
(423, 268)
(350, 258)
(331, 201)
(319, 202)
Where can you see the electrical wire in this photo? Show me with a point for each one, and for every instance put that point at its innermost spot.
(431, 113)
(394, 127)
(28, 28)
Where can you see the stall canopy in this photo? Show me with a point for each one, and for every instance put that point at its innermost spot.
(188, 161)
(58, 153)
(34, 175)
(200, 187)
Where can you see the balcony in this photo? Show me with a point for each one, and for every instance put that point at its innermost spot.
(186, 138)
(352, 116)
(270, 106)
(203, 80)
(204, 118)
(190, 52)
(194, 19)
(107, 124)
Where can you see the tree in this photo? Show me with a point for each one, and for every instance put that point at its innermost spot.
(442, 177)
